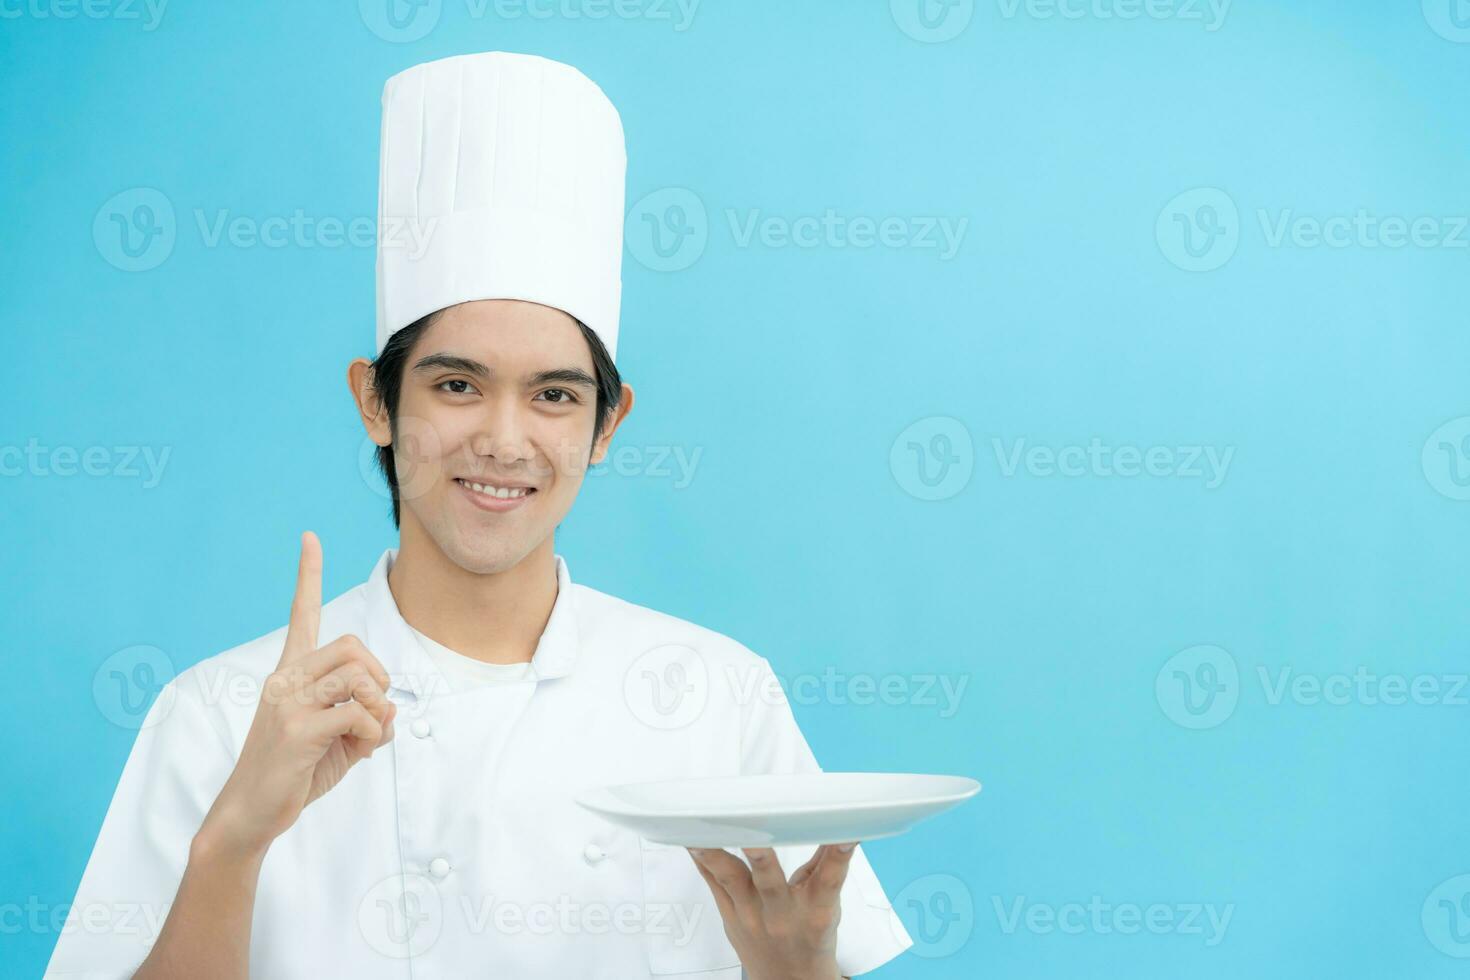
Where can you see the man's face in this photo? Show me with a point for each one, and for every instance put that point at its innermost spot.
(494, 430)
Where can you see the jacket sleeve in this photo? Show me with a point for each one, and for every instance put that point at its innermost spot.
(869, 933)
(177, 765)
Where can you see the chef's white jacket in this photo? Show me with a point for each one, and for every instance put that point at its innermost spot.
(458, 850)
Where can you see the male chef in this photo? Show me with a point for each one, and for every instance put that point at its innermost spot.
(384, 787)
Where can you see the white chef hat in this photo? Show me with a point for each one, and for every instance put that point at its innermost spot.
(501, 177)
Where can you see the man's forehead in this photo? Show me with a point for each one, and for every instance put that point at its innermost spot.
(512, 310)
(517, 336)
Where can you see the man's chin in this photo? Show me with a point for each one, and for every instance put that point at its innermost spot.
(475, 545)
(482, 555)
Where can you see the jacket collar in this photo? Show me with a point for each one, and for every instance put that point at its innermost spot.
(391, 640)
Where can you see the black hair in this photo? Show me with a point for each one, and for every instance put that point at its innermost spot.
(387, 380)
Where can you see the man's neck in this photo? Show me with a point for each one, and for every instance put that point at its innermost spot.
(497, 617)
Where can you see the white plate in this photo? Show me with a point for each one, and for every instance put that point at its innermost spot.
(775, 811)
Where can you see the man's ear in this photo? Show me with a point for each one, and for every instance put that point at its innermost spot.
(625, 405)
(369, 403)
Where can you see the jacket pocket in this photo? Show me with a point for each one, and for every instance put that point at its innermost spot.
(683, 929)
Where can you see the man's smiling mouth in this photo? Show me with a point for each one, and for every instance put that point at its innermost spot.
(498, 493)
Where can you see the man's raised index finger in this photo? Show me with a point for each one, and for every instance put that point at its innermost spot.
(306, 606)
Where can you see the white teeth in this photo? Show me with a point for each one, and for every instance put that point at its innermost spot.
(496, 492)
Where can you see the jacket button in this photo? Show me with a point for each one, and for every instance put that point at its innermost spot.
(420, 728)
(439, 867)
(593, 853)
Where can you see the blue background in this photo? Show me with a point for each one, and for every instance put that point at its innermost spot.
(1335, 541)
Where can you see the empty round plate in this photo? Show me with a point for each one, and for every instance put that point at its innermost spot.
(778, 810)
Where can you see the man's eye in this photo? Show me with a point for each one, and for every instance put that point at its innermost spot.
(559, 395)
(457, 385)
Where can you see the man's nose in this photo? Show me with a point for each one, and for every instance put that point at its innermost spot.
(503, 433)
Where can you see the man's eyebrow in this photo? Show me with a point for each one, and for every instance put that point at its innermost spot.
(451, 362)
(571, 377)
